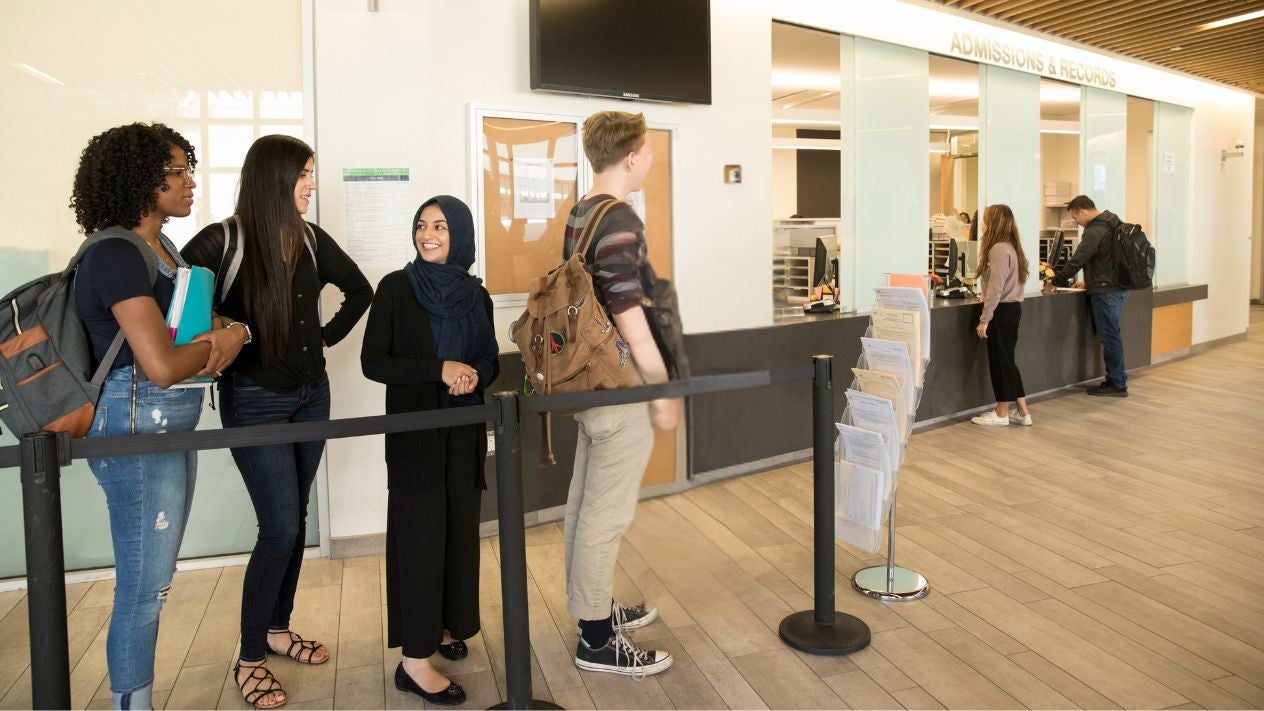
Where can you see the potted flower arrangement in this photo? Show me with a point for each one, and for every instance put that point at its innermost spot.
(1046, 272)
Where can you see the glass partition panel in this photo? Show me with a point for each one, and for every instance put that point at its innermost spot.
(954, 167)
(58, 95)
(886, 101)
(806, 193)
(1009, 119)
(1103, 148)
(1059, 169)
(1170, 234)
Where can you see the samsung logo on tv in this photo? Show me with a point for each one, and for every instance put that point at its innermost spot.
(630, 95)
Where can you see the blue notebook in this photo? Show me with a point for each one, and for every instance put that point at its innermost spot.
(190, 312)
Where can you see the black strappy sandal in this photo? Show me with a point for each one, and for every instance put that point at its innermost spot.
(265, 683)
(301, 650)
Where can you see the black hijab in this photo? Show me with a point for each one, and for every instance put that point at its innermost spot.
(451, 296)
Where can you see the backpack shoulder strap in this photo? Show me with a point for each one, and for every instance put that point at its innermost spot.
(230, 260)
(107, 362)
(151, 266)
(147, 254)
(590, 225)
(310, 238)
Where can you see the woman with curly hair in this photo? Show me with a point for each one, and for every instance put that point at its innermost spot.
(284, 262)
(137, 177)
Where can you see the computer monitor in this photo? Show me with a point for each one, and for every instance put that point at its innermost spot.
(969, 258)
(1055, 254)
(953, 254)
(820, 263)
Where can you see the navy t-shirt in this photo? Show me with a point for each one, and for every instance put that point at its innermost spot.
(113, 271)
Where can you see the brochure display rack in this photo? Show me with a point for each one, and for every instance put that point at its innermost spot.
(874, 430)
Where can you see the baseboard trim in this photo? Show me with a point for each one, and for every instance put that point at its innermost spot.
(1208, 345)
(92, 575)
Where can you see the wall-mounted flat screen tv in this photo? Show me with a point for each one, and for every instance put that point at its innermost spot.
(657, 50)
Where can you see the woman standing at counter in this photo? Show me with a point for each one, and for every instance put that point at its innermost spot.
(1003, 267)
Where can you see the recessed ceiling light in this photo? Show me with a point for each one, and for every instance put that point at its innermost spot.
(1232, 20)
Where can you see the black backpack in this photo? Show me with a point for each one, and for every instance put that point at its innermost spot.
(1133, 256)
(46, 377)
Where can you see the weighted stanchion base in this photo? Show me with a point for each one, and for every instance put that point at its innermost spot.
(535, 704)
(905, 584)
(845, 635)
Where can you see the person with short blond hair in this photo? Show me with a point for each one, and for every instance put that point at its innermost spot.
(609, 136)
(615, 441)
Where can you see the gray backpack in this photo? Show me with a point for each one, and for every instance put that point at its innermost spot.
(46, 381)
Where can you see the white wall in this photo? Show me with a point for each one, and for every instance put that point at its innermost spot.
(393, 89)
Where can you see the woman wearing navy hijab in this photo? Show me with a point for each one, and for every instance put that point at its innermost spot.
(430, 339)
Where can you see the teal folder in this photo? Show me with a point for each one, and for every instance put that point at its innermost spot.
(195, 287)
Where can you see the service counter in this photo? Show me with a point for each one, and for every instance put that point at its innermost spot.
(732, 432)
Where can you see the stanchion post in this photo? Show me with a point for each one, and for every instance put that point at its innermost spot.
(45, 571)
(823, 630)
(513, 557)
(823, 488)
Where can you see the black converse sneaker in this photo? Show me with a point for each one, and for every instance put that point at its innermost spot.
(620, 655)
(631, 617)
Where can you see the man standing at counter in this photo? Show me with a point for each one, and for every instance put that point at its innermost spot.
(1106, 296)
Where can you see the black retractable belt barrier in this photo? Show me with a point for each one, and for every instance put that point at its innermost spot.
(823, 630)
(41, 455)
(45, 569)
(513, 558)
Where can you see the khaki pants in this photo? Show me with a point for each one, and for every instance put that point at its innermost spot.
(610, 458)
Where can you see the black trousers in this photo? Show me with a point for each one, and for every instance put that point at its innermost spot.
(432, 548)
(1002, 338)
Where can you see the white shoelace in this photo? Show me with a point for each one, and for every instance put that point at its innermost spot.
(624, 646)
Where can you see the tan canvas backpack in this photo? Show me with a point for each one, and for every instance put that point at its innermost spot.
(567, 340)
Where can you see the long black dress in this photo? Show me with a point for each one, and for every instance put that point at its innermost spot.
(435, 479)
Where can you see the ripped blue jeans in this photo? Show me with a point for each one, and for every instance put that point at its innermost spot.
(148, 498)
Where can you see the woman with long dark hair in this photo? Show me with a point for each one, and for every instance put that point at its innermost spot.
(430, 339)
(136, 178)
(1003, 267)
(270, 273)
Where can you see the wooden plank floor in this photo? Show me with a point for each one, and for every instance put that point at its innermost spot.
(1109, 557)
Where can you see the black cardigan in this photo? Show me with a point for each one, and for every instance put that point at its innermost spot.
(304, 358)
(399, 351)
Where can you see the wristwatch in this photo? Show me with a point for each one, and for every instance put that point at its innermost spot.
(249, 337)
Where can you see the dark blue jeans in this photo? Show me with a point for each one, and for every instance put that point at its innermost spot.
(1106, 311)
(279, 479)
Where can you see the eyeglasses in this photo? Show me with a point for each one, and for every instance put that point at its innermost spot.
(185, 172)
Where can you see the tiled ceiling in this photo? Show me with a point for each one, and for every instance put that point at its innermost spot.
(1166, 32)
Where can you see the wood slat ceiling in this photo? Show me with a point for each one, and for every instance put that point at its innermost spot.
(1164, 32)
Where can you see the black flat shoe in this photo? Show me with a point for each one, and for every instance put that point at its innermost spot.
(450, 696)
(456, 650)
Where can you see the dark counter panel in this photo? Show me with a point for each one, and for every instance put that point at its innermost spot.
(1169, 295)
(1056, 347)
(737, 427)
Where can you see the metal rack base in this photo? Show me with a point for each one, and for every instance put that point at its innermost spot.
(890, 583)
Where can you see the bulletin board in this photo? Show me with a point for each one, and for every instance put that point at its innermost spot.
(530, 170)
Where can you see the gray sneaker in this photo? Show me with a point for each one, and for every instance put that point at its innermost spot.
(621, 656)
